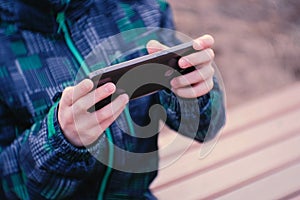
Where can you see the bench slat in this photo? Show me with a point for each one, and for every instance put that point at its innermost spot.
(213, 182)
(263, 108)
(276, 186)
(257, 132)
(228, 149)
(243, 117)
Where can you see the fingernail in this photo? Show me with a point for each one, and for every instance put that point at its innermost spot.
(109, 87)
(183, 63)
(125, 98)
(152, 46)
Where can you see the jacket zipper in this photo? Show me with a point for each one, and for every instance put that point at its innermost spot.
(61, 20)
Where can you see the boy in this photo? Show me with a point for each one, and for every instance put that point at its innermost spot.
(50, 144)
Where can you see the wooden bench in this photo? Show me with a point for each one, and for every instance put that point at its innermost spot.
(257, 155)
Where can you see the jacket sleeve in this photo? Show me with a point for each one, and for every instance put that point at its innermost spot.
(199, 118)
(41, 163)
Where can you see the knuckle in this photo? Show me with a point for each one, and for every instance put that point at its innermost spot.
(66, 120)
(211, 71)
(93, 97)
(99, 94)
(101, 115)
(210, 53)
(78, 107)
(67, 95)
(200, 74)
(180, 81)
(210, 84)
(120, 101)
(85, 85)
(205, 87)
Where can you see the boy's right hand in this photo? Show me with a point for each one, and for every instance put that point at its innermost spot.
(81, 127)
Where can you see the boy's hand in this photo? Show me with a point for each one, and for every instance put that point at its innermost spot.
(199, 81)
(81, 127)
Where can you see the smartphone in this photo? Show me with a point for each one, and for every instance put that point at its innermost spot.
(161, 66)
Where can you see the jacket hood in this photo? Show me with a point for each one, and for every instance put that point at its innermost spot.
(41, 15)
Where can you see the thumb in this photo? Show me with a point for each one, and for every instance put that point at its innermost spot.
(155, 46)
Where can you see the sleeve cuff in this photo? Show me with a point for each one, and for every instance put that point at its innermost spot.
(58, 142)
(172, 103)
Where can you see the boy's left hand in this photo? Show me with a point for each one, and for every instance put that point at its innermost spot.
(199, 81)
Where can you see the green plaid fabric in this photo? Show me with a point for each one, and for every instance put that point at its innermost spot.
(36, 64)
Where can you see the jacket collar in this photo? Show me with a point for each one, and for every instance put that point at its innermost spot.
(40, 16)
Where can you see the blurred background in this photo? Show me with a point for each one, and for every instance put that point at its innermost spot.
(257, 154)
(257, 42)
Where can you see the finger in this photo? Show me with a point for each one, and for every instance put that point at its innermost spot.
(95, 132)
(195, 91)
(197, 58)
(114, 107)
(85, 138)
(203, 42)
(94, 97)
(66, 98)
(96, 119)
(104, 124)
(155, 46)
(65, 117)
(201, 74)
(82, 89)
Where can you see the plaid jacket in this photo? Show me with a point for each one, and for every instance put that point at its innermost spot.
(37, 63)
